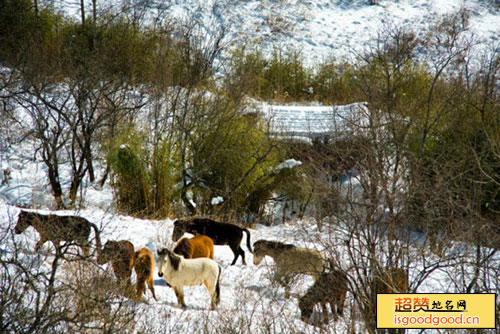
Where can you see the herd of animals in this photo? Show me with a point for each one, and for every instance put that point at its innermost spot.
(191, 262)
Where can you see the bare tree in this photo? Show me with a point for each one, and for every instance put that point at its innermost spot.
(47, 126)
(66, 122)
(58, 292)
(409, 204)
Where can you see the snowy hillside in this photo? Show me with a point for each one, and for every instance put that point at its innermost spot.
(251, 302)
(323, 28)
(249, 298)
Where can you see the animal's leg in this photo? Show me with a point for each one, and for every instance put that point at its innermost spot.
(214, 301)
(284, 280)
(235, 252)
(324, 309)
(129, 282)
(151, 287)
(242, 253)
(213, 295)
(139, 287)
(179, 293)
(335, 310)
(340, 303)
(41, 242)
(85, 248)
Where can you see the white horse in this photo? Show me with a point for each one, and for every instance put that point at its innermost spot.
(178, 272)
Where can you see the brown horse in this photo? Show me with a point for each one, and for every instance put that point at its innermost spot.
(221, 233)
(144, 269)
(122, 256)
(330, 288)
(198, 246)
(393, 280)
(290, 261)
(58, 228)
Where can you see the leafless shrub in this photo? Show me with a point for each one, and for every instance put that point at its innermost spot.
(57, 293)
(99, 303)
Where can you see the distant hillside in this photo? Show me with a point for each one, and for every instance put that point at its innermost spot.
(323, 28)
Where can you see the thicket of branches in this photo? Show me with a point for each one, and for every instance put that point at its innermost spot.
(141, 101)
(425, 166)
(144, 102)
(57, 292)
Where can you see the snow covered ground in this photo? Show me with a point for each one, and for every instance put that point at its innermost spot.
(249, 299)
(243, 288)
(320, 29)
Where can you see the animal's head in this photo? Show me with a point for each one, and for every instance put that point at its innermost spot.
(162, 261)
(259, 251)
(106, 254)
(167, 259)
(180, 226)
(23, 222)
(306, 309)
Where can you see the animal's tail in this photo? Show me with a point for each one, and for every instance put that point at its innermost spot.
(142, 265)
(97, 238)
(142, 272)
(217, 287)
(248, 239)
(140, 286)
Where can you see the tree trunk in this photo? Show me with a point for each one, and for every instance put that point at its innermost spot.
(87, 155)
(82, 11)
(38, 35)
(55, 185)
(191, 210)
(78, 174)
(94, 23)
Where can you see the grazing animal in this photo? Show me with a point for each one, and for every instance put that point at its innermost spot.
(393, 280)
(198, 246)
(144, 268)
(330, 288)
(221, 233)
(290, 260)
(122, 256)
(178, 272)
(58, 228)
